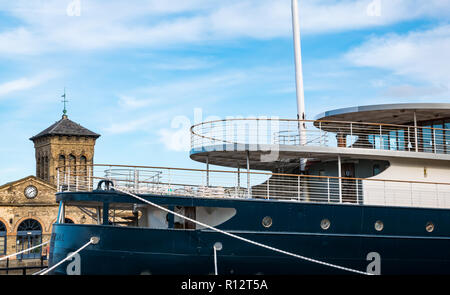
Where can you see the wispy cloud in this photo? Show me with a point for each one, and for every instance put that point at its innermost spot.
(423, 56)
(46, 27)
(24, 83)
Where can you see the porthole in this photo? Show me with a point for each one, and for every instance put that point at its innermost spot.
(429, 227)
(267, 221)
(325, 224)
(379, 225)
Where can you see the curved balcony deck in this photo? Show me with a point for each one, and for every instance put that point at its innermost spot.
(226, 142)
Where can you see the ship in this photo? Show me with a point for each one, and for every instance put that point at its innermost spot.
(361, 190)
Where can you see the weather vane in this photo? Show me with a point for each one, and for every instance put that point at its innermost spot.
(64, 101)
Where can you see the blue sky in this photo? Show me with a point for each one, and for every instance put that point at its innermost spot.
(138, 72)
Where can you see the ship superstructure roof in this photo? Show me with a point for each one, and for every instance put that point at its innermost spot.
(402, 113)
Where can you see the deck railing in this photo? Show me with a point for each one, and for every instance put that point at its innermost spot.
(257, 185)
(320, 133)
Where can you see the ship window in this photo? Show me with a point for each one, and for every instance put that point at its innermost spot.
(376, 169)
(267, 221)
(439, 138)
(429, 227)
(29, 234)
(325, 224)
(427, 139)
(447, 137)
(379, 225)
(2, 239)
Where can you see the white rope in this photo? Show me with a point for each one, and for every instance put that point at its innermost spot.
(38, 272)
(244, 239)
(23, 251)
(67, 258)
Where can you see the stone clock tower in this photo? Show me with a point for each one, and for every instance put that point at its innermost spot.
(63, 143)
(28, 206)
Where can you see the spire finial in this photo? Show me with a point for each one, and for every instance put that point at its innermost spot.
(64, 101)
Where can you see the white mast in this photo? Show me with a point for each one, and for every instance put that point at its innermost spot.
(299, 78)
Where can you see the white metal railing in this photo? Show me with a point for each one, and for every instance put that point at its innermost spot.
(262, 185)
(321, 133)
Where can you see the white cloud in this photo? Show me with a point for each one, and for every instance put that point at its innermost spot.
(45, 26)
(422, 56)
(24, 83)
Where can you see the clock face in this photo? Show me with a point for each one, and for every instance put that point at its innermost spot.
(31, 192)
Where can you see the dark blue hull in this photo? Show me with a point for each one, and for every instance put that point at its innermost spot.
(404, 246)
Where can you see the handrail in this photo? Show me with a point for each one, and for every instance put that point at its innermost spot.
(266, 185)
(255, 131)
(311, 121)
(248, 172)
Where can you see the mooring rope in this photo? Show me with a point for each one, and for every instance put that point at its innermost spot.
(244, 239)
(91, 241)
(23, 251)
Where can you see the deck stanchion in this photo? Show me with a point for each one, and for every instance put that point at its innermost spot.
(68, 178)
(207, 171)
(340, 179)
(328, 188)
(415, 131)
(57, 179)
(434, 140)
(248, 175)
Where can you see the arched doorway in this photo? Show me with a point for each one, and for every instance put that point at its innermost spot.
(2, 238)
(29, 234)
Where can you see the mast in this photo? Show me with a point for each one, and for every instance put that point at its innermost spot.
(299, 78)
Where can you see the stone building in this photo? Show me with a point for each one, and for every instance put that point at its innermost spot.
(27, 206)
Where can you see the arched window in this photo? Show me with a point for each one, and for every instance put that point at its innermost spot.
(72, 163)
(61, 161)
(61, 167)
(2, 239)
(46, 176)
(29, 234)
(83, 168)
(38, 168)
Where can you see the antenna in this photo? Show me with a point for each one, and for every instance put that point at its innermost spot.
(299, 78)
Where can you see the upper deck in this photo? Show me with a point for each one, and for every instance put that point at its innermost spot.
(268, 143)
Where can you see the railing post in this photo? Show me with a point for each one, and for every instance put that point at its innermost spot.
(351, 132)
(434, 139)
(207, 171)
(268, 188)
(89, 178)
(76, 182)
(409, 140)
(357, 192)
(381, 139)
(340, 179)
(415, 132)
(320, 134)
(57, 179)
(68, 178)
(248, 175)
(328, 189)
(238, 181)
(298, 187)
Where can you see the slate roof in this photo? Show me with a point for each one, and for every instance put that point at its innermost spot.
(66, 127)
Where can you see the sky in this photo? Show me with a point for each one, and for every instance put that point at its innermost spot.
(141, 72)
